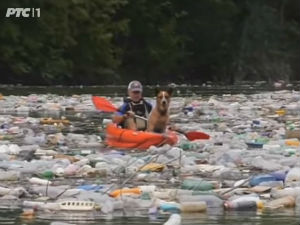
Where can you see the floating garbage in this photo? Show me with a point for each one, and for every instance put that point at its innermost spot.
(54, 159)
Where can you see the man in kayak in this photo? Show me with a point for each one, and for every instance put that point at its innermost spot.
(133, 107)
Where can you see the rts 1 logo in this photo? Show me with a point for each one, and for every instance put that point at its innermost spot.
(23, 12)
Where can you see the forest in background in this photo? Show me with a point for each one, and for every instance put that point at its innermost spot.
(155, 41)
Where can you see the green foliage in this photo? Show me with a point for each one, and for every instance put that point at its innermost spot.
(157, 41)
(70, 39)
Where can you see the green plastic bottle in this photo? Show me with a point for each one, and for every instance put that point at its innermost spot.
(197, 185)
(48, 175)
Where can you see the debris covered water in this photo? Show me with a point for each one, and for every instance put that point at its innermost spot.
(54, 166)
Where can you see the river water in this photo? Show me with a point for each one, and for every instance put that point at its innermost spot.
(213, 217)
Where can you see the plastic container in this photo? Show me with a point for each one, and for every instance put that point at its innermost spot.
(90, 187)
(35, 180)
(147, 188)
(292, 142)
(197, 185)
(293, 175)
(126, 191)
(298, 201)
(261, 178)
(190, 207)
(272, 184)
(48, 174)
(211, 201)
(9, 175)
(175, 219)
(244, 205)
(77, 205)
(279, 193)
(288, 201)
(279, 175)
(169, 206)
(4, 191)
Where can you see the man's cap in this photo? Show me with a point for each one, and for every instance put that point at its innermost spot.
(135, 86)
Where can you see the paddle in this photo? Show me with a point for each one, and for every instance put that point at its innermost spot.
(104, 105)
(193, 135)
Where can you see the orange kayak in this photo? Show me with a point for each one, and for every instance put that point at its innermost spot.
(129, 139)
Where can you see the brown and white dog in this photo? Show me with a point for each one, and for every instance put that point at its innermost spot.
(159, 116)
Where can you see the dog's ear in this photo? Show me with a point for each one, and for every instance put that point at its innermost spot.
(157, 90)
(170, 91)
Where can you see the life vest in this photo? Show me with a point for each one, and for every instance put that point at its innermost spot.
(141, 108)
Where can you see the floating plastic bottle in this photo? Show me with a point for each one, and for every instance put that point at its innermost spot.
(35, 180)
(197, 185)
(288, 201)
(293, 175)
(279, 193)
(175, 219)
(48, 175)
(211, 201)
(279, 175)
(244, 205)
(190, 207)
(9, 175)
(293, 142)
(126, 191)
(169, 206)
(277, 184)
(261, 178)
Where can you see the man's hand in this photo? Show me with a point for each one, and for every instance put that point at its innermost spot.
(129, 114)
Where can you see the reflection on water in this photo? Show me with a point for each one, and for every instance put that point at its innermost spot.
(282, 217)
(181, 90)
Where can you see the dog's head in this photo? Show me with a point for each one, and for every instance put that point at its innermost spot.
(163, 99)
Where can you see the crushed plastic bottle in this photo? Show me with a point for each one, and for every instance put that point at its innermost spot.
(175, 219)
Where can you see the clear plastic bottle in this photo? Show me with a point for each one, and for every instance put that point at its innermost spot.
(288, 201)
(35, 180)
(293, 175)
(279, 193)
(193, 206)
(211, 201)
(9, 175)
(261, 178)
(298, 201)
(243, 205)
(277, 184)
(175, 219)
(197, 185)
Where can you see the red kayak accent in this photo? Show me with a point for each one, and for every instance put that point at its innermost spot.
(129, 139)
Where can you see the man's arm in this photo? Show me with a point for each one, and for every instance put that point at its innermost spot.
(122, 114)
(118, 118)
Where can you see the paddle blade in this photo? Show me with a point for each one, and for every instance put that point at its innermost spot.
(195, 135)
(103, 104)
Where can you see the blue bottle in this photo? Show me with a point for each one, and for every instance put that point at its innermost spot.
(261, 178)
(279, 175)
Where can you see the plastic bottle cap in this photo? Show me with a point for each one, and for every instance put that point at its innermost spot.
(227, 205)
(259, 204)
